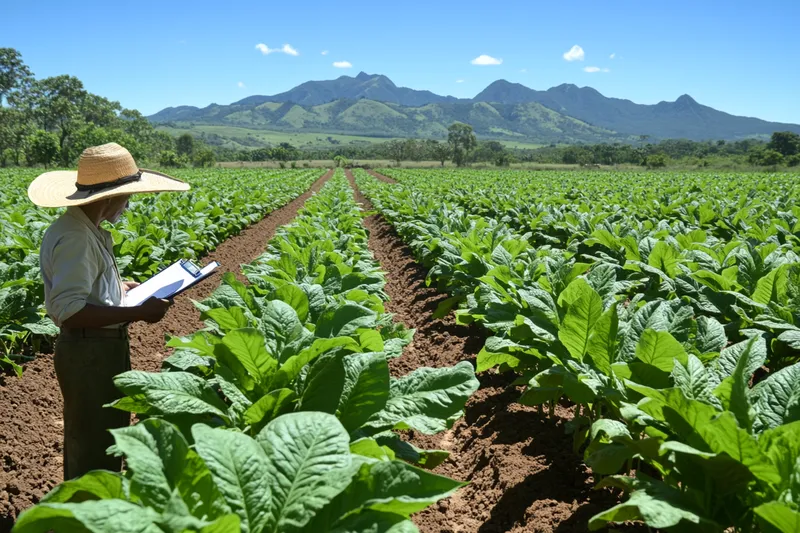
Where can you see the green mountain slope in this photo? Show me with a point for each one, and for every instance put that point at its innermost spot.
(373, 105)
(530, 121)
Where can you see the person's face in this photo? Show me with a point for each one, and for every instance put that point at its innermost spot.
(116, 206)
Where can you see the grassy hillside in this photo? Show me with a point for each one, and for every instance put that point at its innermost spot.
(528, 122)
(240, 138)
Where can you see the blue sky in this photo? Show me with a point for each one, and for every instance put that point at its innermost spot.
(740, 57)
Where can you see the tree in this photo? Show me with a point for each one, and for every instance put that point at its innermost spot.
(56, 103)
(656, 161)
(15, 128)
(169, 158)
(462, 139)
(204, 157)
(439, 151)
(785, 143)
(42, 148)
(14, 73)
(396, 150)
(412, 150)
(185, 144)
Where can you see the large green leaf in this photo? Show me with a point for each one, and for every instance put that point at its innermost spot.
(240, 470)
(778, 516)
(249, 347)
(756, 351)
(701, 426)
(95, 485)
(270, 406)
(580, 318)
(308, 465)
(660, 349)
(172, 392)
(772, 287)
(665, 258)
(426, 400)
(296, 297)
(654, 503)
(324, 384)
(694, 380)
(602, 347)
(392, 487)
(777, 398)
(292, 367)
(782, 445)
(366, 388)
(96, 516)
(155, 453)
(710, 335)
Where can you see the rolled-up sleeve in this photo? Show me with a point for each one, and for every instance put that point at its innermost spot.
(74, 269)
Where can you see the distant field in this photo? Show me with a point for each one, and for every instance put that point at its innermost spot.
(383, 163)
(241, 138)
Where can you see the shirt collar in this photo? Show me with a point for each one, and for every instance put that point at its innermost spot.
(77, 213)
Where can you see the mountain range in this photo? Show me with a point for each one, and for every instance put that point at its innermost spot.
(372, 105)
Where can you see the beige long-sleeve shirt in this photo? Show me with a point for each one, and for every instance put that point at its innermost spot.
(78, 266)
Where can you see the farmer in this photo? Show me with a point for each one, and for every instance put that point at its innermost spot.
(84, 295)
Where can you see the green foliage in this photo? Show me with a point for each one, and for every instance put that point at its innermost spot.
(308, 334)
(220, 204)
(765, 157)
(279, 416)
(462, 140)
(204, 157)
(786, 143)
(42, 148)
(664, 307)
(184, 145)
(299, 473)
(656, 161)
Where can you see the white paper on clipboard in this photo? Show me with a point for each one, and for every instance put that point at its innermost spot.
(171, 281)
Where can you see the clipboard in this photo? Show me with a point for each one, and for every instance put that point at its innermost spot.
(170, 282)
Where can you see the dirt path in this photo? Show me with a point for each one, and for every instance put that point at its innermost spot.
(523, 474)
(381, 177)
(30, 407)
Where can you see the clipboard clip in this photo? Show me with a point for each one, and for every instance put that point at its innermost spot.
(191, 268)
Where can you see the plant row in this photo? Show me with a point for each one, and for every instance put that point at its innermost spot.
(676, 340)
(281, 414)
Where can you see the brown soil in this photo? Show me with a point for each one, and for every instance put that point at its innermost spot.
(30, 407)
(381, 177)
(523, 473)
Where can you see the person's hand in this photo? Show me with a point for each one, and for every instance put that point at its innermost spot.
(128, 285)
(153, 309)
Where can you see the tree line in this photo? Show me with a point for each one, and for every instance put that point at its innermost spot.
(50, 121)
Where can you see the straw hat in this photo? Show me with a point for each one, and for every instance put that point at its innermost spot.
(103, 171)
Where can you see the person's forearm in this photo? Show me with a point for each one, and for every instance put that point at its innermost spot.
(96, 316)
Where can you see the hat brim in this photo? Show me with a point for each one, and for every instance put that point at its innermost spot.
(57, 188)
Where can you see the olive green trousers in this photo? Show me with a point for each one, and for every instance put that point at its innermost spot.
(85, 367)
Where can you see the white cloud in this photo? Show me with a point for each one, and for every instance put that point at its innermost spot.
(460, 81)
(484, 60)
(285, 49)
(612, 56)
(595, 69)
(342, 64)
(240, 85)
(523, 70)
(574, 54)
(324, 52)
